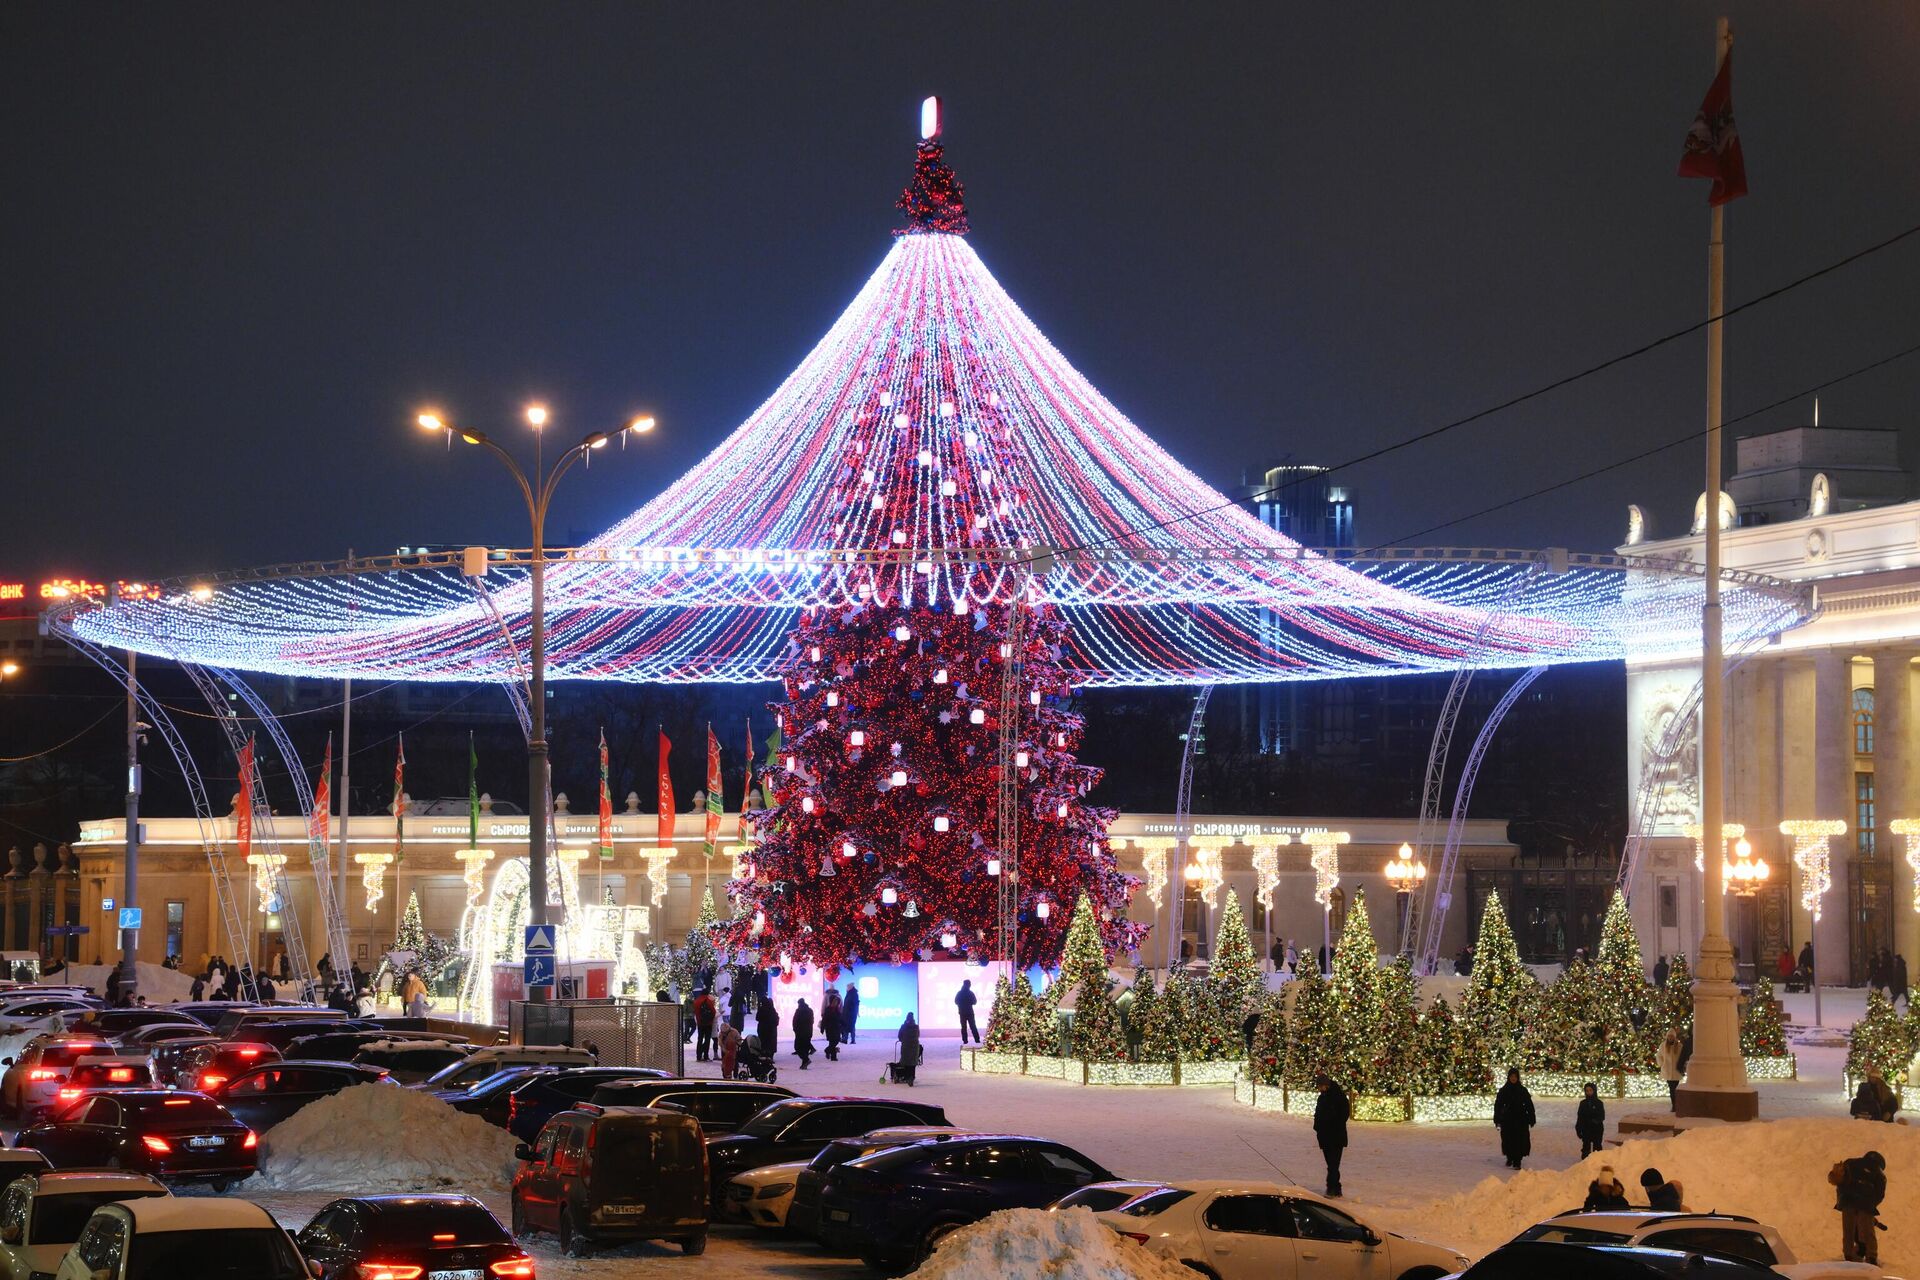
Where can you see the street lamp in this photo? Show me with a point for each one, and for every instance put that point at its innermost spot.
(537, 490)
(9, 669)
(1406, 874)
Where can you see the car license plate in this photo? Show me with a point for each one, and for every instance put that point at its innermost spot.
(472, 1273)
(838, 1215)
(205, 1142)
(618, 1210)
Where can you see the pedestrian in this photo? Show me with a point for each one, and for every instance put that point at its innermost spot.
(1860, 1185)
(908, 1038)
(1806, 959)
(1277, 953)
(1249, 1025)
(1513, 1117)
(803, 1032)
(767, 1025)
(1877, 976)
(413, 993)
(730, 1051)
(199, 988)
(267, 989)
(1293, 959)
(1590, 1121)
(1606, 1191)
(1323, 961)
(964, 1000)
(737, 1008)
(1662, 1195)
(1874, 1099)
(1783, 967)
(1660, 971)
(1330, 1112)
(833, 1019)
(705, 1011)
(852, 1003)
(364, 1005)
(1900, 983)
(113, 984)
(1669, 1056)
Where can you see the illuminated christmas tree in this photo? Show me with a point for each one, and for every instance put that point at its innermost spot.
(1168, 1032)
(1882, 1039)
(884, 835)
(1763, 1034)
(1584, 1023)
(1096, 1031)
(413, 932)
(1004, 1019)
(1620, 959)
(1235, 973)
(1269, 1063)
(1502, 993)
(1448, 1058)
(1355, 1001)
(1312, 1033)
(700, 952)
(1397, 1023)
(1141, 1008)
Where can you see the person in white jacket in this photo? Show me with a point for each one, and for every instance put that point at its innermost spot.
(1670, 1051)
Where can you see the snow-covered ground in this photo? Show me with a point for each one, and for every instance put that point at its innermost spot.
(1403, 1172)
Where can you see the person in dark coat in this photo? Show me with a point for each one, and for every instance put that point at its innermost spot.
(113, 984)
(737, 1007)
(1662, 1195)
(964, 1000)
(1660, 972)
(1330, 1114)
(1900, 983)
(705, 1013)
(833, 1019)
(767, 1025)
(1606, 1191)
(852, 1003)
(1513, 1117)
(1859, 1187)
(909, 1040)
(803, 1033)
(1873, 1100)
(1249, 1025)
(1590, 1121)
(1806, 958)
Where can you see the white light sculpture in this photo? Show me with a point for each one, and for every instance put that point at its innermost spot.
(658, 860)
(266, 867)
(1266, 866)
(1153, 865)
(1205, 872)
(1909, 828)
(1810, 854)
(1694, 831)
(373, 875)
(1326, 862)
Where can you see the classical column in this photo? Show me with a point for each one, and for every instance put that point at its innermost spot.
(1833, 798)
(9, 878)
(61, 875)
(1753, 787)
(1893, 790)
(36, 900)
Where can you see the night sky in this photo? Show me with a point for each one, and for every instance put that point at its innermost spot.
(245, 242)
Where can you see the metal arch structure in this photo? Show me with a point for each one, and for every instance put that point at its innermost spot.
(162, 723)
(1007, 892)
(333, 917)
(208, 682)
(1183, 813)
(1433, 920)
(517, 687)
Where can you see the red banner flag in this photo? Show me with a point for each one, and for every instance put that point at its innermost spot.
(665, 839)
(1713, 145)
(606, 803)
(746, 796)
(716, 793)
(399, 801)
(322, 800)
(243, 811)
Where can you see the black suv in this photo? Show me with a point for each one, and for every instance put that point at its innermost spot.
(721, 1106)
(798, 1128)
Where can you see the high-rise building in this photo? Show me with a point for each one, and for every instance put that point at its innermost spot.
(1302, 502)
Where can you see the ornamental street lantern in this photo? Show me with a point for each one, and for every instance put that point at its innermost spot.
(1406, 874)
(1746, 875)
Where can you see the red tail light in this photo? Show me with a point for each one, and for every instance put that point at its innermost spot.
(159, 1146)
(249, 1142)
(389, 1271)
(520, 1268)
(43, 1073)
(120, 1075)
(249, 1053)
(210, 1081)
(69, 1094)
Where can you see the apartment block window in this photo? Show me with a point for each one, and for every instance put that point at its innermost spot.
(1863, 821)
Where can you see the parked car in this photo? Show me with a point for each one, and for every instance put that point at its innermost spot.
(19, 1162)
(236, 1019)
(492, 1098)
(165, 1057)
(481, 1063)
(760, 1197)
(109, 1024)
(207, 1239)
(209, 1012)
(284, 1033)
(32, 1082)
(145, 1039)
(645, 1179)
(340, 1043)
(797, 1128)
(410, 1061)
(22, 1021)
(173, 1136)
(1724, 1235)
(407, 1236)
(1244, 1230)
(721, 1106)
(42, 1215)
(1098, 1197)
(265, 1095)
(211, 1065)
(1533, 1259)
(91, 1075)
(892, 1207)
(803, 1214)
(546, 1094)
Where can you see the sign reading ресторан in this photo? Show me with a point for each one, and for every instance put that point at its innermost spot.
(1230, 828)
(514, 830)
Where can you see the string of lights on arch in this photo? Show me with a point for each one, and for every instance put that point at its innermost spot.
(934, 429)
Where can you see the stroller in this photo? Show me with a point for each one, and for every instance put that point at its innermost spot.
(896, 1074)
(755, 1063)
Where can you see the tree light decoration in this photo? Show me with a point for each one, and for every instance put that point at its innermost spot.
(373, 876)
(473, 868)
(1153, 865)
(1266, 866)
(266, 869)
(1810, 836)
(1910, 829)
(1325, 860)
(1694, 831)
(1205, 872)
(658, 860)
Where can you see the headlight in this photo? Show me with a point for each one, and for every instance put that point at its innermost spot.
(773, 1189)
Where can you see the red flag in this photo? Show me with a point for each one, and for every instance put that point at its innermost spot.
(716, 795)
(665, 838)
(399, 801)
(746, 797)
(243, 811)
(606, 803)
(1713, 145)
(322, 800)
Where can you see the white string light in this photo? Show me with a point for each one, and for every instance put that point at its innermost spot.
(1811, 855)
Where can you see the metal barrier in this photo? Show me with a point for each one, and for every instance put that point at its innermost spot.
(623, 1033)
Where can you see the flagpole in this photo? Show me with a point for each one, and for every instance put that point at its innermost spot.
(1716, 1083)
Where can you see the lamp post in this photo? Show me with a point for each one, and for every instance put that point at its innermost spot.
(537, 490)
(1406, 874)
(1745, 876)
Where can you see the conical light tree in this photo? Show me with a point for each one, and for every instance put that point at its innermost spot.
(1397, 1018)
(1004, 1020)
(1502, 992)
(1763, 1034)
(1356, 999)
(1235, 972)
(1313, 1034)
(1620, 958)
(413, 932)
(1097, 1034)
(1141, 1010)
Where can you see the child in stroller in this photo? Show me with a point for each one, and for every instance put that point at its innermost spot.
(755, 1063)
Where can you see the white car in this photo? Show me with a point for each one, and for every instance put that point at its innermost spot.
(1265, 1231)
(481, 1063)
(41, 1216)
(762, 1196)
(32, 1082)
(208, 1239)
(1724, 1235)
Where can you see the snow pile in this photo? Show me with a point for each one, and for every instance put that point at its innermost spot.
(396, 1045)
(1775, 1172)
(159, 984)
(1035, 1244)
(380, 1137)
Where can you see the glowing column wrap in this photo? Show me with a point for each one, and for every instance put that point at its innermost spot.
(1810, 854)
(1326, 862)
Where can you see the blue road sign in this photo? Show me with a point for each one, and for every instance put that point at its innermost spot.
(539, 939)
(129, 917)
(541, 969)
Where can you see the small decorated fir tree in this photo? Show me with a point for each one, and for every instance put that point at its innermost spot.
(1141, 1010)
(700, 953)
(1620, 959)
(1355, 1001)
(1235, 973)
(1096, 1032)
(1398, 1028)
(1164, 1034)
(1311, 1034)
(1003, 1018)
(1502, 993)
(1882, 1039)
(413, 933)
(1269, 1063)
(1763, 1034)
